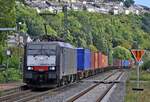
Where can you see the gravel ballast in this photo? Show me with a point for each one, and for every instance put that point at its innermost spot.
(118, 91)
(115, 94)
(67, 92)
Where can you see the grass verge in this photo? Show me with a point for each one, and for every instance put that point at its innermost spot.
(138, 96)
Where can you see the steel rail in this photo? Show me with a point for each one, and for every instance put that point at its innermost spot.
(12, 96)
(13, 90)
(54, 91)
(29, 95)
(88, 89)
(108, 89)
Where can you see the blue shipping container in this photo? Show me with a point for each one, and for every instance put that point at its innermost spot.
(125, 63)
(83, 59)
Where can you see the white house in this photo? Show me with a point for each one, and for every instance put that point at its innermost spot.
(127, 12)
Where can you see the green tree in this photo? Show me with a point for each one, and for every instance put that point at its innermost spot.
(7, 17)
(146, 22)
(33, 23)
(93, 48)
(121, 53)
(55, 22)
(1, 54)
(84, 28)
(7, 14)
(7, 20)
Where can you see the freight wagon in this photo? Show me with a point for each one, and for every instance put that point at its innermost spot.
(117, 63)
(125, 63)
(83, 62)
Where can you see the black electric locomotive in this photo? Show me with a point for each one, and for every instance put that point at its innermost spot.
(48, 64)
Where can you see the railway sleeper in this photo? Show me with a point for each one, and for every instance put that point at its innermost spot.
(107, 82)
(102, 82)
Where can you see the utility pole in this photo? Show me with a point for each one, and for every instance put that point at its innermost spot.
(65, 20)
(45, 27)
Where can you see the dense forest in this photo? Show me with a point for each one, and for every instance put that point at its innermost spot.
(112, 34)
(85, 29)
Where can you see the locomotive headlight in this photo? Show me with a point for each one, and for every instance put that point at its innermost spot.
(30, 68)
(52, 68)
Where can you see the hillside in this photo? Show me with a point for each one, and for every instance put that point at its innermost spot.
(86, 28)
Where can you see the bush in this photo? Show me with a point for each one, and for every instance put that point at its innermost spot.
(146, 65)
(121, 53)
(12, 75)
(2, 78)
(1, 54)
(93, 48)
(14, 62)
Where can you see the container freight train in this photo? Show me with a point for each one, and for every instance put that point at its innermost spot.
(49, 64)
(118, 63)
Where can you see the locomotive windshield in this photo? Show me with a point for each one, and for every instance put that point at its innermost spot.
(41, 55)
(41, 50)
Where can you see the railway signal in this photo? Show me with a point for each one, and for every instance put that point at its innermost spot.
(138, 54)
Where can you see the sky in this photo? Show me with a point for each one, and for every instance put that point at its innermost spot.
(143, 2)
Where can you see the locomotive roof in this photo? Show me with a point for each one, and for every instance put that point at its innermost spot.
(61, 44)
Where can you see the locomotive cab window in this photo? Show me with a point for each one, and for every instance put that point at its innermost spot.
(41, 50)
(41, 55)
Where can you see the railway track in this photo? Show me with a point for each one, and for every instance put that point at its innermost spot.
(13, 90)
(28, 95)
(76, 98)
(108, 89)
(7, 95)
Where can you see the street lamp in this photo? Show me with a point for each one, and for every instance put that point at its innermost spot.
(8, 54)
(18, 40)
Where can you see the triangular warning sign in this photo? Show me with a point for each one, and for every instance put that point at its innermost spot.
(138, 54)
